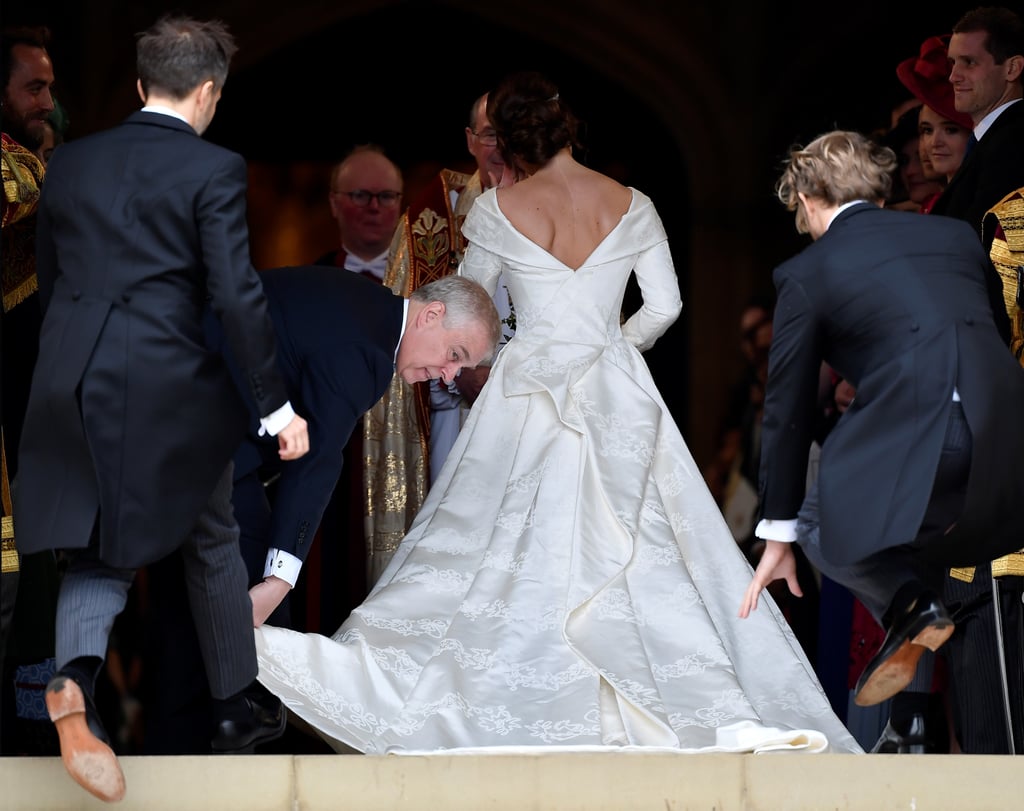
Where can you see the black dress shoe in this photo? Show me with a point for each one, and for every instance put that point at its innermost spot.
(260, 721)
(913, 740)
(924, 623)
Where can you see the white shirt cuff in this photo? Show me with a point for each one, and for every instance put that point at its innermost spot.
(274, 423)
(774, 529)
(283, 565)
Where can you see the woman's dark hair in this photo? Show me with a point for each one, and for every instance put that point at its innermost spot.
(530, 119)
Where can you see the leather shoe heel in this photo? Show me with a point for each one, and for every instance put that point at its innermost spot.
(87, 755)
(263, 721)
(924, 624)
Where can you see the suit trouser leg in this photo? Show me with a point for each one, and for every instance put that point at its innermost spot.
(91, 596)
(878, 579)
(217, 584)
(873, 581)
(973, 653)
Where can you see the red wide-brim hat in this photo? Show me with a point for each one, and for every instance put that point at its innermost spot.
(926, 76)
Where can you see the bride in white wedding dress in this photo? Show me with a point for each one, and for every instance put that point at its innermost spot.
(569, 581)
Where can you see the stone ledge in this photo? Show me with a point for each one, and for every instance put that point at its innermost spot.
(554, 782)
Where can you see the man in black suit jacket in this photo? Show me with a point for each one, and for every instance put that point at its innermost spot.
(340, 339)
(986, 53)
(132, 421)
(909, 310)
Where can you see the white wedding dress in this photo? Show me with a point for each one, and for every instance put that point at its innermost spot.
(569, 581)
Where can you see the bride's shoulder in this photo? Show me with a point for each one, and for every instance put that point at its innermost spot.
(484, 219)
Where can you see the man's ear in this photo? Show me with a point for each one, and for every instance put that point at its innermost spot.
(138, 86)
(206, 94)
(432, 312)
(1014, 66)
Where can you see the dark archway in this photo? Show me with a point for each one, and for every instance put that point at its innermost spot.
(695, 103)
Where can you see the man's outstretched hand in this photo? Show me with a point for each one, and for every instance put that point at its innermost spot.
(777, 563)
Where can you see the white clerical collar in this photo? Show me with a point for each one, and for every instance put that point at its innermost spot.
(988, 120)
(159, 108)
(376, 266)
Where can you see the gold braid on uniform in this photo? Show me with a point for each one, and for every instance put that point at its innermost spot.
(1007, 254)
(22, 177)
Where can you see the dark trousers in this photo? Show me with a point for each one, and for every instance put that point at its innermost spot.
(877, 579)
(979, 713)
(179, 713)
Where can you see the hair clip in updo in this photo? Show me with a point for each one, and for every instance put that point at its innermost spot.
(554, 97)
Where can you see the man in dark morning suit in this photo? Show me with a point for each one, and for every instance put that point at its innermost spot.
(986, 53)
(911, 478)
(131, 423)
(340, 339)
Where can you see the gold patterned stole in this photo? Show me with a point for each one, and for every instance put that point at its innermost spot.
(22, 177)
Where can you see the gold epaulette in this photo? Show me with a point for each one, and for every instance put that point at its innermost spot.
(1011, 565)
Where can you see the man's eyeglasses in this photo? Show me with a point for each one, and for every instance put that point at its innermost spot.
(486, 137)
(362, 197)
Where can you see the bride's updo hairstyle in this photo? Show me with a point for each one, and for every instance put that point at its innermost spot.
(532, 123)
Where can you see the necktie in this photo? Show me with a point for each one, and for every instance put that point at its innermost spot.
(971, 143)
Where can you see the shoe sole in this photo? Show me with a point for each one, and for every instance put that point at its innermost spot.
(88, 760)
(896, 672)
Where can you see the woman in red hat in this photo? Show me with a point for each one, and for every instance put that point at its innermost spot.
(943, 144)
(943, 131)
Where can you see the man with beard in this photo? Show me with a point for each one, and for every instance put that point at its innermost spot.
(27, 102)
(26, 78)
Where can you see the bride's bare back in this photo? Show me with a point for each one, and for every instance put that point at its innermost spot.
(565, 208)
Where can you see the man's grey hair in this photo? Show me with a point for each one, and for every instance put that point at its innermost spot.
(466, 304)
